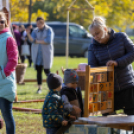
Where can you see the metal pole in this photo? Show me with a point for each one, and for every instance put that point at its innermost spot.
(30, 11)
(67, 39)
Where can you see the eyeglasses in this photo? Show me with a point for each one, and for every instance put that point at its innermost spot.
(2, 21)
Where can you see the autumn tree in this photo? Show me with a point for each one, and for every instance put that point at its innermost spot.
(20, 11)
(119, 13)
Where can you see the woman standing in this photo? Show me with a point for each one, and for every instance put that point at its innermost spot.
(23, 39)
(8, 63)
(111, 48)
(42, 49)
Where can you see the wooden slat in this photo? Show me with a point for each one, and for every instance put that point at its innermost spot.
(32, 80)
(87, 86)
(37, 111)
(101, 69)
(80, 9)
(81, 73)
(29, 101)
(128, 128)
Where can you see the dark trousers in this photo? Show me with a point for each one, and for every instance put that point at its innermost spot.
(29, 59)
(6, 110)
(124, 99)
(39, 69)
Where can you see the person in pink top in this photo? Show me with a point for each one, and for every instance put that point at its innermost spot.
(8, 63)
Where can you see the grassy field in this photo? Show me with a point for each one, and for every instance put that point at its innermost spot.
(28, 123)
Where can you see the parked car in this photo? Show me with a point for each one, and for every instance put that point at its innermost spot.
(79, 39)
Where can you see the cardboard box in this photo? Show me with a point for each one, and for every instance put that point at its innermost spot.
(101, 77)
(93, 107)
(109, 104)
(93, 97)
(103, 105)
(102, 96)
(111, 86)
(109, 95)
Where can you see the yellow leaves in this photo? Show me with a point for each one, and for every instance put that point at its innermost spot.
(117, 12)
(39, 13)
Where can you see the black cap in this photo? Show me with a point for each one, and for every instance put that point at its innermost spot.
(54, 81)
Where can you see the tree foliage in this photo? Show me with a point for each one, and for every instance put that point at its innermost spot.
(20, 11)
(119, 13)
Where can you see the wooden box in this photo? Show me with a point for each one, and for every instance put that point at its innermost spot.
(111, 85)
(93, 97)
(101, 77)
(109, 95)
(99, 90)
(103, 105)
(93, 107)
(102, 96)
(103, 86)
(109, 104)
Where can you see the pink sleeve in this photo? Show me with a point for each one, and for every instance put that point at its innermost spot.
(12, 55)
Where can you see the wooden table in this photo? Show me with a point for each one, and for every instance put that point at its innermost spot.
(119, 122)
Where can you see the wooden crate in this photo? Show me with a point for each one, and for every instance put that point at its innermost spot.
(96, 81)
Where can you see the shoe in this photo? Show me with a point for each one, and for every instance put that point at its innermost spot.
(39, 91)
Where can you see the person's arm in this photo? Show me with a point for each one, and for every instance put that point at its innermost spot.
(32, 36)
(67, 105)
(12, 55)
(128, 58)
(48, 39)
(92, 61)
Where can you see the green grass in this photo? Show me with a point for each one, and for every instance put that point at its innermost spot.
(28, 123)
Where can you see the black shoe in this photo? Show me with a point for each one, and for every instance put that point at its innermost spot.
(39, 91)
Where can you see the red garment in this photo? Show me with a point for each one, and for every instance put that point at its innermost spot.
(12, 54)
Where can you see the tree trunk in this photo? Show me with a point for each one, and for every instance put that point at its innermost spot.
(30, 11)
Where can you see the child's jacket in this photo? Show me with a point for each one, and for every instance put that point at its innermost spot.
(53, 111)
(70, 97)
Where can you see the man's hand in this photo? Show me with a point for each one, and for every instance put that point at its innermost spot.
(64, 123)
(111, 62)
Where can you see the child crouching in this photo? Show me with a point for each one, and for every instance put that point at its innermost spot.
(53, 111)
(71, 94)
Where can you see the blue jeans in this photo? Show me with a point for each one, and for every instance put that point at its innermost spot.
(6, 110)
(52, 130)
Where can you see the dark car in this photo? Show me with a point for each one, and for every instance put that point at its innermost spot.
(79, 38)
